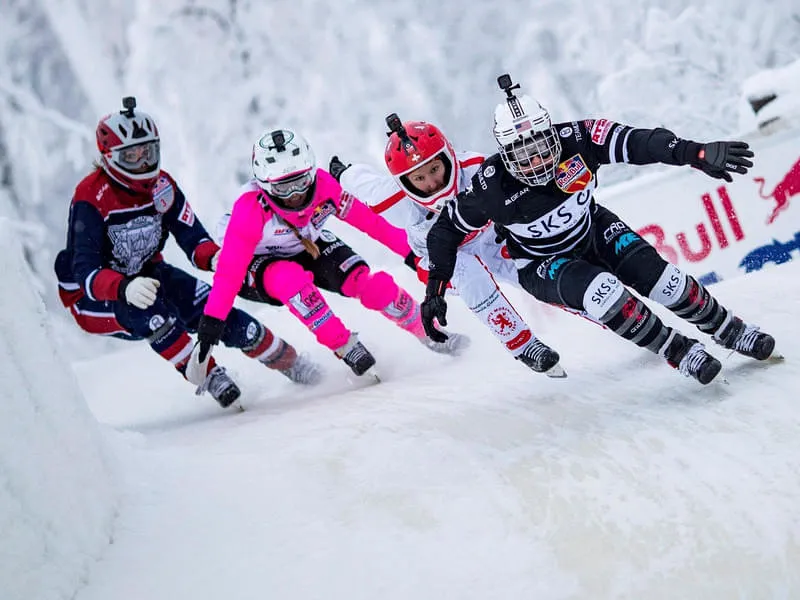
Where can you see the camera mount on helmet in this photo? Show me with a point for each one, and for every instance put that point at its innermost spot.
(128, 103)
(504, 81)
(279, 139)
(395, 125)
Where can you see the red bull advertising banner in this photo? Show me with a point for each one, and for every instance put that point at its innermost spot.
(717, 230)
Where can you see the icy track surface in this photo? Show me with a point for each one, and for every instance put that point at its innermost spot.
(467, 478)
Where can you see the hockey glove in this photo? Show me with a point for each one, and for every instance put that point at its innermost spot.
(337, 167)
(435, 307)
(720, 159)
(140, 292)
(500, 233)
(412, 260)
(209, 333)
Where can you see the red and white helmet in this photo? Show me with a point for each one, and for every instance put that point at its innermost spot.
(413, 144)
(129, 147)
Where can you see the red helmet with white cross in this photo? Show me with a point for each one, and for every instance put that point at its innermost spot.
(419, 152)
(129, 147)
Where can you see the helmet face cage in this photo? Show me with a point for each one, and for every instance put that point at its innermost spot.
(425, 143)
(528, 143)
(284, 166)
(130, 150)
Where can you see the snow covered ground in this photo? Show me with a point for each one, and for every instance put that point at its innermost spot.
(462, 478)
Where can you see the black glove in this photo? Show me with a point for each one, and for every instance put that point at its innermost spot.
(411, 261)
(499, 233)
(337, 167)
(435, 306)
(209, 333)
(720, 159)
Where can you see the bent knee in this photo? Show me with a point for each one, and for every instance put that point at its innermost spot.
(604, 296)
(284, 278)
(378, 290)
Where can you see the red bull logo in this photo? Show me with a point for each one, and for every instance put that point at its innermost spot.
(781, 194)
(573, 175)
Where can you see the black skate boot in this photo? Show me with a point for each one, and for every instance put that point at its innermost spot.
(541, 358)
(745, 339)
(690, 358)
(356, 356)
(221, 387)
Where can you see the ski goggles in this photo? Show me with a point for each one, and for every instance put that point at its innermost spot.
(141, 158)
(288, 186)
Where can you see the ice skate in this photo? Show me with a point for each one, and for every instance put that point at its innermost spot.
(691, 358)
(221, 387)
(304, 371)
(541, 358)
(453, 345)
(745, 339)
(356, 356)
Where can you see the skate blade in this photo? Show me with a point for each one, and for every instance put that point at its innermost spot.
(372, 374)
(367, 378)
(556, 372)
(775, 357)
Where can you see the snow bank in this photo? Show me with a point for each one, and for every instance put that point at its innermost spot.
(56, 492)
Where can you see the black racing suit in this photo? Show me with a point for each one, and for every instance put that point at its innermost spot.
(552, 229)
(568, 249)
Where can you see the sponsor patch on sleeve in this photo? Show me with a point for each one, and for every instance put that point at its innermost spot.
(345, 202)
(163, 194)
(600, 130)
(187, 215)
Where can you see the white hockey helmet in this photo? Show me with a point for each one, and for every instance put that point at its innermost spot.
(528, 143)
(284, 166)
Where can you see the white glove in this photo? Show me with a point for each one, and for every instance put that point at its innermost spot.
(141, 292)
(215, 260)
(197, 370)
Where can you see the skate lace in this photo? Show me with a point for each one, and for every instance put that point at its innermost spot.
(535, 350)
(216, 382)
(356, 353)
(747, 339)
(693, 360)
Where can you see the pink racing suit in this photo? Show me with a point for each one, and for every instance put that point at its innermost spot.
(258, 229)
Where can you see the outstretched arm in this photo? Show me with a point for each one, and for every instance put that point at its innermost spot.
(715, 159)
(443, 241)
(241, 237)
(612, 142)
(359, 215)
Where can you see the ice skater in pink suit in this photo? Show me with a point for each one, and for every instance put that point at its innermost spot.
(277, 251)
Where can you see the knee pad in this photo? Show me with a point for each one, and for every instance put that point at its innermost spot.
(284, 279)
(354, 283)
(378, 290)
(670, 286)
(242, 330)
(604, 297)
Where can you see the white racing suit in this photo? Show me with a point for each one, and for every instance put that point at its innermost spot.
(479, 260)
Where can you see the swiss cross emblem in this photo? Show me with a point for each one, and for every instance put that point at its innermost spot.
(415, 157)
